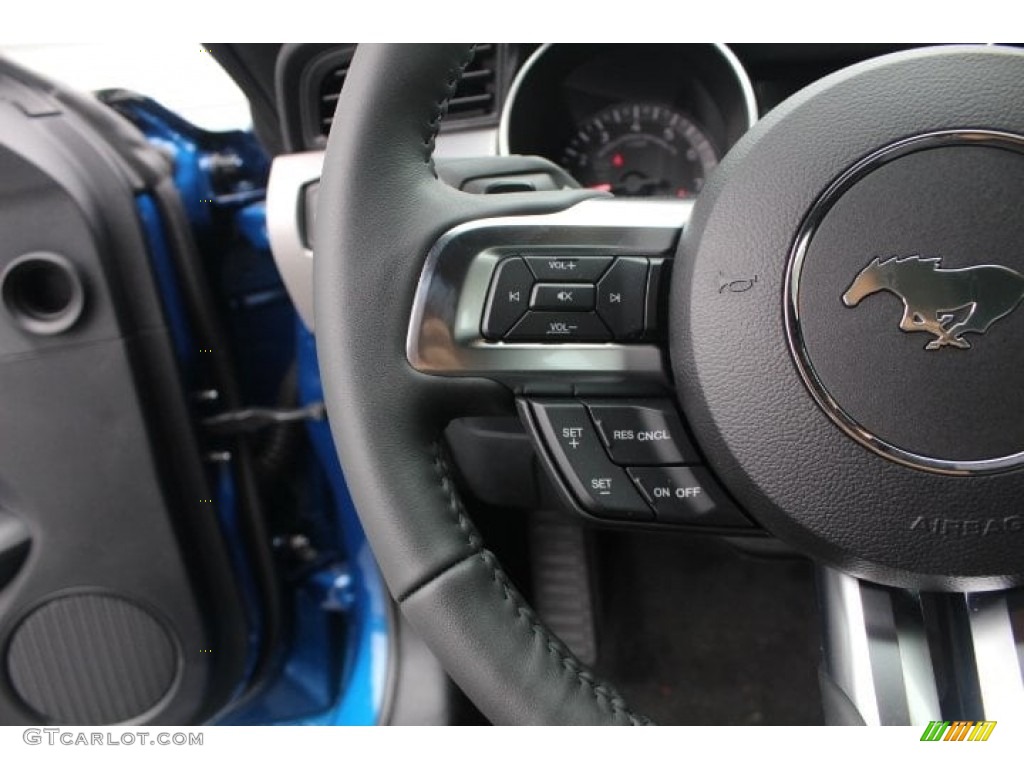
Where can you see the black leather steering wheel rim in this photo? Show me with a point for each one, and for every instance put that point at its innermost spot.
(380, 209)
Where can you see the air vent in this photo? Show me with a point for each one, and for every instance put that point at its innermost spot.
(330, 89)
(475, 96)
(476, 93)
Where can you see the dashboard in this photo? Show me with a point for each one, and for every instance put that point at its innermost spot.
(637, 120)
(650, 120)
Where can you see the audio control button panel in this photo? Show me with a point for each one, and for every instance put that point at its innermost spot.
(557, 299)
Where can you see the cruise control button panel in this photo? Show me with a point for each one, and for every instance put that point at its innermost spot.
(686, 495)
(629, 460)
(642, 432)
(600, 487)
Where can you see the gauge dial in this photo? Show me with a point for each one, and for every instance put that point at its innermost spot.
(641, 150)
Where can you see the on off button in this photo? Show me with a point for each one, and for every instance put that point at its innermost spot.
(686, 495)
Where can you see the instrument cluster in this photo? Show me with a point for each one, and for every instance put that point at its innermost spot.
(635, 121)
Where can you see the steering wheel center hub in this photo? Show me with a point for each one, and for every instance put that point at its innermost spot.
(860, 396)
(901, 301)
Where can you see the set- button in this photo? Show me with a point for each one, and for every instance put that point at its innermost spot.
(601, 487)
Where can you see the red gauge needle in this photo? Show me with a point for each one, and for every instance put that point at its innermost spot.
(605, 187)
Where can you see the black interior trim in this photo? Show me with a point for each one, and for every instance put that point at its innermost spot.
(104, 403)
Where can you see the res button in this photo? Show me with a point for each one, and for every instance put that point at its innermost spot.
(642, 432)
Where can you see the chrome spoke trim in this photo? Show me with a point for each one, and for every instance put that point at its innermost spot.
(846, 642)
(290, 175)
(904, 658)
(444, 335)
(877, 651)
(997, 629)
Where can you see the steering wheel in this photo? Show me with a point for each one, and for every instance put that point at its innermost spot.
(887, 449)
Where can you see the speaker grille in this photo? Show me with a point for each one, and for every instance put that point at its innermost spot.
(91, 659)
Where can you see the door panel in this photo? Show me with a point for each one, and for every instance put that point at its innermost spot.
(117, 602)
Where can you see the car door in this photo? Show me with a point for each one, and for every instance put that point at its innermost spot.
(117, 599)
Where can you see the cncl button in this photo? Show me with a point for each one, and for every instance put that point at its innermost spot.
(642, 432)
(686, 495)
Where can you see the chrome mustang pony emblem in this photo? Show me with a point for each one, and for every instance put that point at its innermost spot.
(945, 302)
